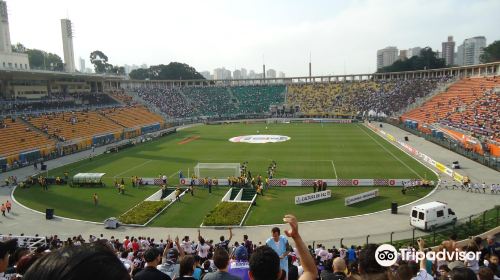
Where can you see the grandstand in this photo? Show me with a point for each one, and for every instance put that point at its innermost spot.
(131, 117)
(17, 137)
(74, 125)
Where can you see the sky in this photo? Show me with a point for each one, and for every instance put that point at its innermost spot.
(340, 37)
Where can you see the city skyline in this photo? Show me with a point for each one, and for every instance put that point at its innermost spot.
(281, 34)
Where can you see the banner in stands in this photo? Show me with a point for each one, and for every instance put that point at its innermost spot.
(313, 197)
(360, 197)
(441, 167)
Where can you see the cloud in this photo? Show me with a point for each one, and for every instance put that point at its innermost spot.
(210, 34)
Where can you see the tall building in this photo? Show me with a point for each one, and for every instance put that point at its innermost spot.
(222, 74)
(9, 59)
(470, 51)
(281, 75)
(244, 74)
(237, 74)
(448, 51)
(251, 74)
(67, 39)
(271, 73)
(403, 54)
(386, 56)
(82, 66)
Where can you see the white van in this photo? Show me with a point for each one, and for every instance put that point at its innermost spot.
(431, 215)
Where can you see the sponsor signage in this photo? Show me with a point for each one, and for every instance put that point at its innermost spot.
(360, 197)
(260, 139)
(313, 197)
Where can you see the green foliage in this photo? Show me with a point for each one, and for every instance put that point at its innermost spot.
(100, 61)
(172, 71)
(491, 53)
(142, 212)
(226, 214)
(427, 59)
(40, 59)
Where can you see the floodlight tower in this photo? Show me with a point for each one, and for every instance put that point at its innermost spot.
(67, 38)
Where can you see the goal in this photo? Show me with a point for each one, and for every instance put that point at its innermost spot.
(217, 170)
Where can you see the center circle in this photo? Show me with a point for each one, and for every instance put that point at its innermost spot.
(259, 139)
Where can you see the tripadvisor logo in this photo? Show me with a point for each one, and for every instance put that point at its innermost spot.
(387, 255)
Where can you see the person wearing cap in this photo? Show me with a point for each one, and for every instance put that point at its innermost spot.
(240, 266)
(152, 257)
(170, 259)
(6, 248)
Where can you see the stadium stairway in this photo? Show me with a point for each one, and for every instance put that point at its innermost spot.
(36, 129)
(166, 192)
(248, 194)
(234, 193)
(233, 98)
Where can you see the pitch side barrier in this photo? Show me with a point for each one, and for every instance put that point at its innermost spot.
(414, 152)
(284, 120)
(285, 182)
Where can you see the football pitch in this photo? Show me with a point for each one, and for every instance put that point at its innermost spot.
(329, 151)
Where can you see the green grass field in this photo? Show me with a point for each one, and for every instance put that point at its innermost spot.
(314, 151)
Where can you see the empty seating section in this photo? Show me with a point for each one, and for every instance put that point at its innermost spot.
(257, 99)
(469, 104)
(16, 137)
(132, 116)
(210, 101)
(75, 125)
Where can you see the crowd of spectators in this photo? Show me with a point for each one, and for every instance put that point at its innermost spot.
(380, 97)
(169, 100)
(56, 102)
(213, 101)
(276, 258)
(482, 117)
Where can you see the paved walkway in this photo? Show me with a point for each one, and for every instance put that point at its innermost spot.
(353, 230)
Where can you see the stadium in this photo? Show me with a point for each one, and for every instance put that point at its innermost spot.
(89, 158)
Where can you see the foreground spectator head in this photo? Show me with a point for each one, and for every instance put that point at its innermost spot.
(339, 265)
(368, 266)
(276, 233)
(241, 253)
(186, 266)
(75, 263)
(6, 248)
(462, 273)
(485, 273)
(152, 256)
(221, 258)
(264, 264)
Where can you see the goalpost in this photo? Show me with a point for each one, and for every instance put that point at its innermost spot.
(217, 170)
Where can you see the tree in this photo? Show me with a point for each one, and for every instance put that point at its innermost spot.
(172, 71)
(19, 48)
(491, 53)
(39, 59)
(427, 59)
(100, 61)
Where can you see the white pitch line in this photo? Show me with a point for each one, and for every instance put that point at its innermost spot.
(398, 159)
(334, 169)
(132, 168)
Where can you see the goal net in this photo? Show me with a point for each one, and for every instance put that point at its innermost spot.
(217, 170)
